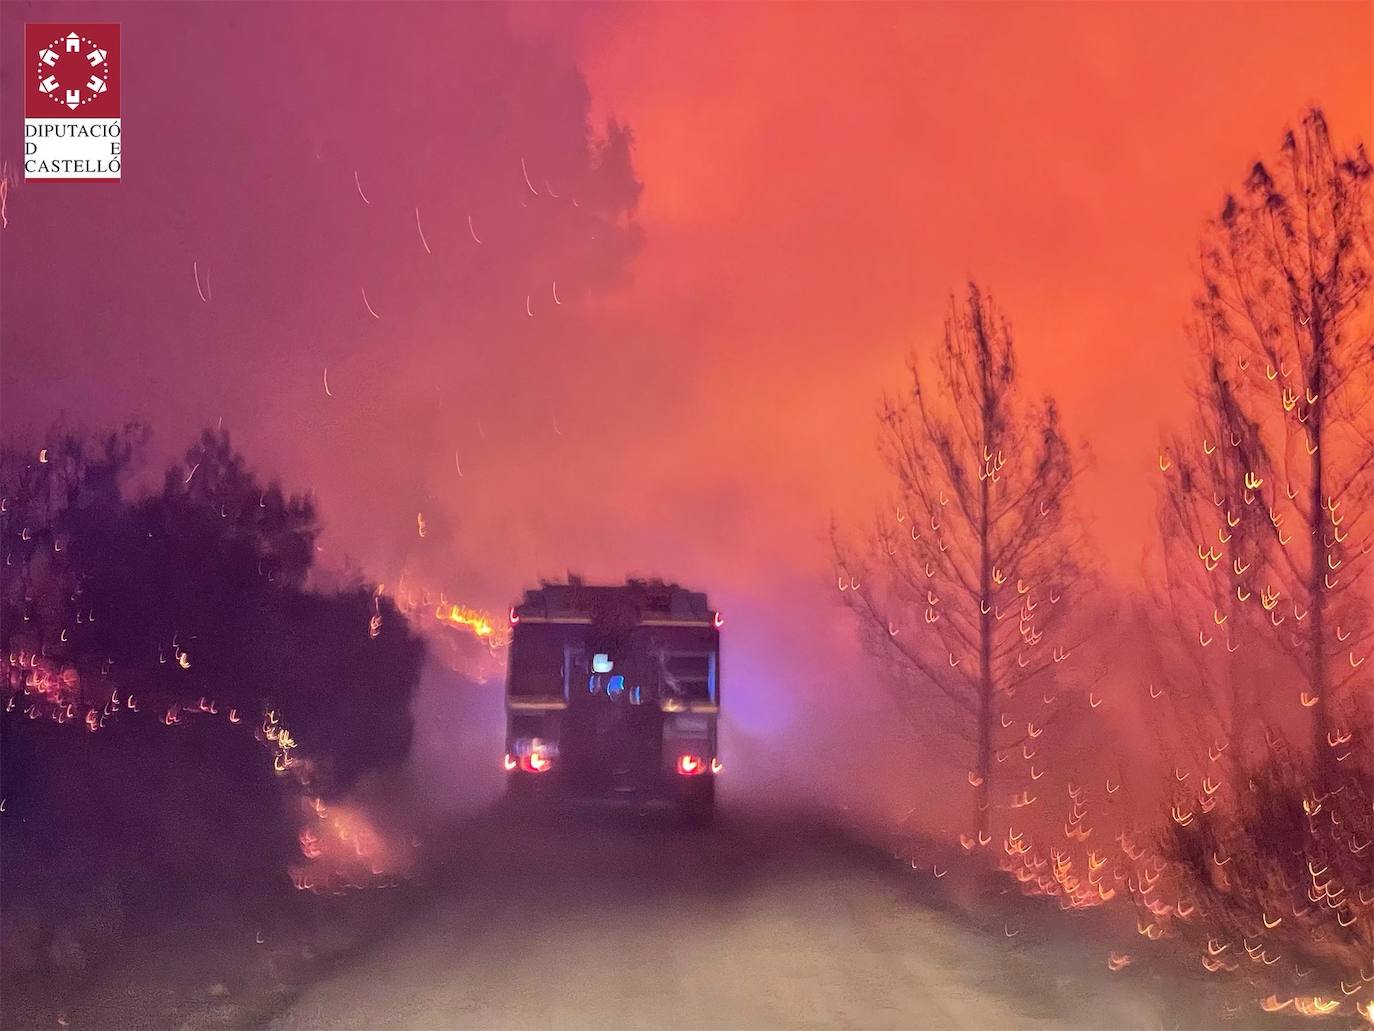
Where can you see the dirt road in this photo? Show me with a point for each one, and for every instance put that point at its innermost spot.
(614, 922)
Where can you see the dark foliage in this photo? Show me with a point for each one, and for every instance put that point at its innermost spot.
(153, 650)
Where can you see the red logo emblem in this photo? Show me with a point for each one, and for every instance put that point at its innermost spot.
(72, 71)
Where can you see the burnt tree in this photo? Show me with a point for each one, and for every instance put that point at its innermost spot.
(1266, 507)
(962, 583)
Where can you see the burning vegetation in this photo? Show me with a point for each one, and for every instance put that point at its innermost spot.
(179, 709)
(1265, 520)
(1259, 865)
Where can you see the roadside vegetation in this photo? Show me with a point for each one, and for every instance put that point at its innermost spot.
(1240, 842)
(184, 719)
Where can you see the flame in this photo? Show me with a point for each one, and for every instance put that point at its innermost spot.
(342, 849)
(461, 616)
(477, 651)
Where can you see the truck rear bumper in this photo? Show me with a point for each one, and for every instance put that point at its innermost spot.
(697, 793)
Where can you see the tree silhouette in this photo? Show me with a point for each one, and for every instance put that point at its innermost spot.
(1266, 510)
(961, 585)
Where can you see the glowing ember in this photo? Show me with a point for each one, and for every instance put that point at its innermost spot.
(344, 851)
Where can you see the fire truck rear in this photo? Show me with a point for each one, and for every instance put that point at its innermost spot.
(613, 692)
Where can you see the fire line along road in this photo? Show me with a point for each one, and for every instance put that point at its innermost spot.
(610, 920)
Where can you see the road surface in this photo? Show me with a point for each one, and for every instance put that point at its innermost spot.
(614, 921)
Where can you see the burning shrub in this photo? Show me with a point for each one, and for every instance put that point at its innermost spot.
(1278, 886)
(171, 695)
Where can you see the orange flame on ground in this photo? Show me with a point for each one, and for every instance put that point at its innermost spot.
(345, 851)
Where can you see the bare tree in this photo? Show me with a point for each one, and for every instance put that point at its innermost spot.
(1266, 511)
(961, 585)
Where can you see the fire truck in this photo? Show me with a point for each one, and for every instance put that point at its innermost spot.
(613, 692)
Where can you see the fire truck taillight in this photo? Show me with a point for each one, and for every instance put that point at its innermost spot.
(717, 766)
(718, 620)
(692, 765)
(509, 763)
(536, 763)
